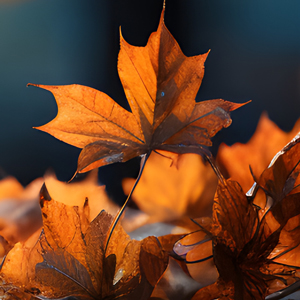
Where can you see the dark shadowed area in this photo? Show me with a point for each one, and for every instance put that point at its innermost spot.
(255, 54)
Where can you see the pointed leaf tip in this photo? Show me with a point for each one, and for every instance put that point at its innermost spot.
(31, 84)
(42, 86)
(235, 106)
(44, 195)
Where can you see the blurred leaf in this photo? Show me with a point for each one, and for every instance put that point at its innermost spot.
(268, 139)
(20, 214)
(75, 193)
(190, 182)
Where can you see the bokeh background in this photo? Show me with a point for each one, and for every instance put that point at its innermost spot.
(255, 54)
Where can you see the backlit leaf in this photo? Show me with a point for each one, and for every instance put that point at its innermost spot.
(160, 84)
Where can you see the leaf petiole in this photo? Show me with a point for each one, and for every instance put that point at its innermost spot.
(120, 212)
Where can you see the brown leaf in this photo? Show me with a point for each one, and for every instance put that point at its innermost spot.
(235, 219)
(161, 84)
(236, 230)
(280, 184)
(69, 257)
(268, 139)
(245, 244)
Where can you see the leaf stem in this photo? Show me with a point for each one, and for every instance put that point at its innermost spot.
(120, 212)
(211, 161)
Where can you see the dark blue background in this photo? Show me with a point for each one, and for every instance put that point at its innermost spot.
(255, 54)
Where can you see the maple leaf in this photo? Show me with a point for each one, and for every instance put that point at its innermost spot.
(69, 258)
(161, 84)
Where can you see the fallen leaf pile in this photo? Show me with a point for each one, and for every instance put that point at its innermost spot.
(203, 229)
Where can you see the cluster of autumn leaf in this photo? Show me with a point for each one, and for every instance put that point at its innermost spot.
(195, 235)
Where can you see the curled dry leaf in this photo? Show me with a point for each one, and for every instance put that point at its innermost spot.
(69, 257)
(242, 245)
(160, 84)
(268, 139)
(280, 184)
(256, 248)
(190, 183)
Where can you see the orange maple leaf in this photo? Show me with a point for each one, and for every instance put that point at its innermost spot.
(69, 257)
(161, 84)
